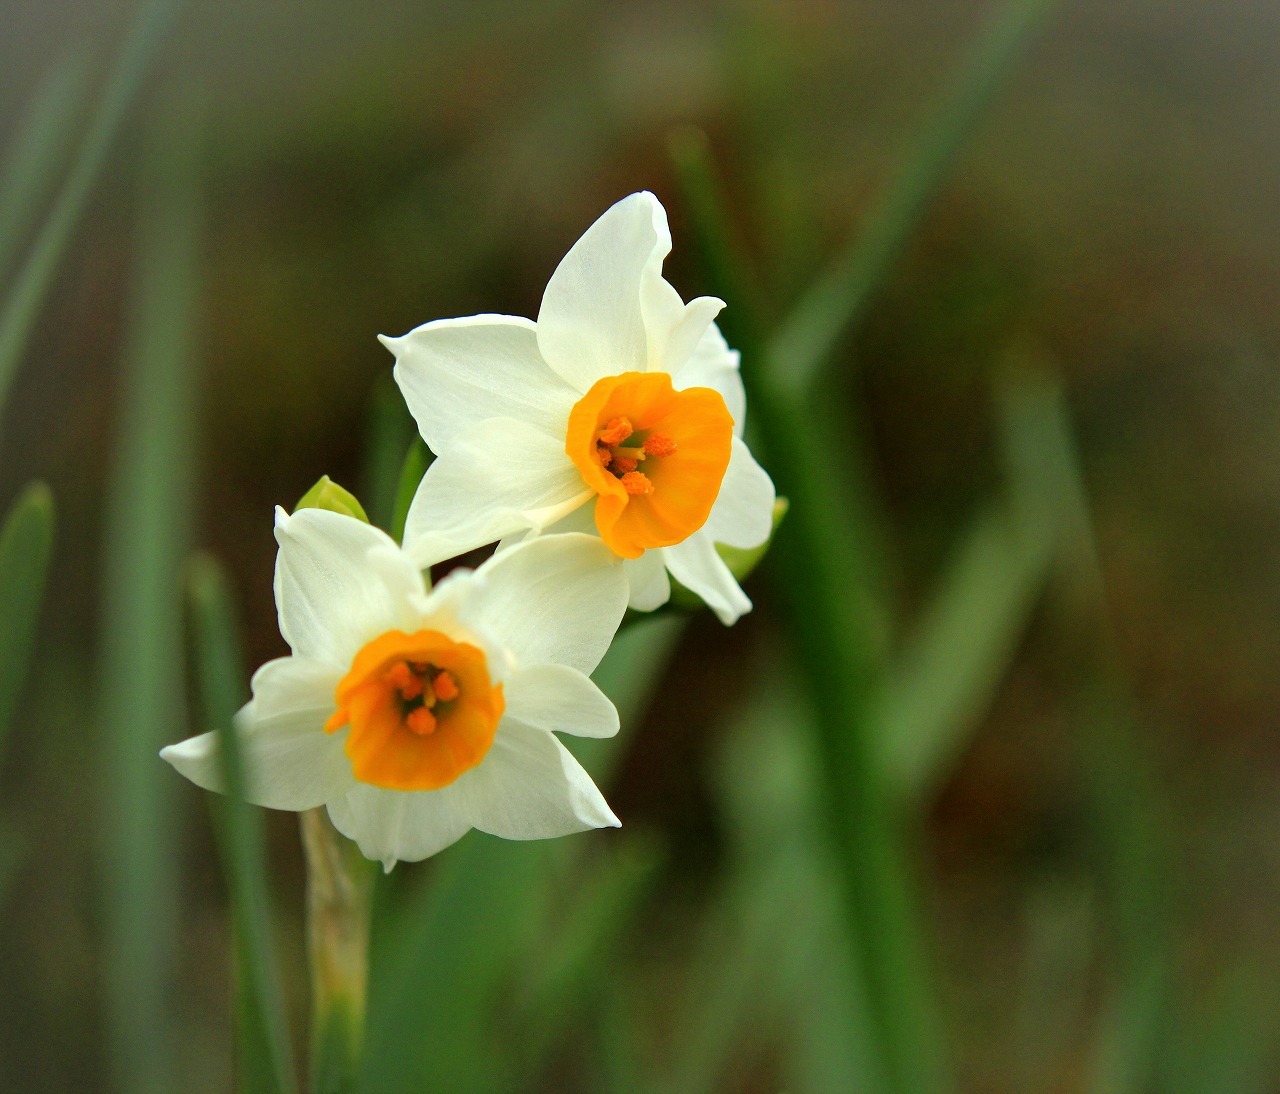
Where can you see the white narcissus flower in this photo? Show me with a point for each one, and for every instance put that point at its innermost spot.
(619, 412)
(415, 715)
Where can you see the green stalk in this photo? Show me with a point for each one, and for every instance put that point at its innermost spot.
(141, 692)
(35, 277)
(339, 900)
(265, 1056)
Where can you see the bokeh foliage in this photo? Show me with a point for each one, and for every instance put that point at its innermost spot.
(923, 821)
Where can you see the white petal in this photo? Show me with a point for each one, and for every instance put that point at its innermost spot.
(695, 564)
(556, 697)
(530, 787)
(393, 825)
(713, 364)
(687, 333)
(647, 576)
(289, 760)
(454, 373)
(591, 323)
(743, 512)
(553, 600)
(494, 478)
(339, 583)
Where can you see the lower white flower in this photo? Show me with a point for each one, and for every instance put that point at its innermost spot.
(416, 715)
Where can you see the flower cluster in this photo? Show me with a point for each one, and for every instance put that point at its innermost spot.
(601, 448)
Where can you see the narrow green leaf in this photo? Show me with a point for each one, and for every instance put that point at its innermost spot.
(262, 1031)
(1128, 807)
(389, 434)
(36, 151)
(946, 676)
(804, 344)
(12, 853)
(25, 546)
(33, 280)
(416, 462)
(140, 686)
(572, 966)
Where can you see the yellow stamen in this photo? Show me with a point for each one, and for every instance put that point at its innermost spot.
(636, 483)
(617, 431)
(420, 721)
(445, 687)
(658, 444)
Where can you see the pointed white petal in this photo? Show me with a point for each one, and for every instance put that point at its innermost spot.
(647, 576)
(339, 583)
(713, 364)
(454, 373)
(556, 697)
(551, 600)
(695, 564)
(395, 825)
(743, 513)
(289, 760)
(591, 323)
(687, 333)
(494, 478)
(530, 787)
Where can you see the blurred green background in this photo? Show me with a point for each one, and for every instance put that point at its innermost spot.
(1044, 460)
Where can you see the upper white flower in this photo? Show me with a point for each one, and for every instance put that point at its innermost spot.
(415, 715)
(619, 412)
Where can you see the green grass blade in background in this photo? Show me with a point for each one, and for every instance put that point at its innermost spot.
(804, 344)
(1128, 807)
(34, 278)
(265, 1053)
(575, 963)
(26, 544)
(390, 433)
(36, 152)
(827, 546)
(416, 461)
(946, 676)
(140, 689)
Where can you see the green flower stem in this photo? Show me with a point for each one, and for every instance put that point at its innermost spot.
(339, 899)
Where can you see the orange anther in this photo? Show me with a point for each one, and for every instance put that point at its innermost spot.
(445, 687)
(420, 721)
(636, 483)
(404, 680)
(604, 454)
(658, 444)
(623, 465)
(617, 431)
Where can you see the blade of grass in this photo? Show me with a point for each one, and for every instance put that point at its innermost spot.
(804, 344)
(416, 462)
(1129, 810)
(140, 690)
(36, 152)
(34, 278)
(573, 963)
(262, 1032)
(390, 432)
(825, 560)
(946, 676)
(25, 547)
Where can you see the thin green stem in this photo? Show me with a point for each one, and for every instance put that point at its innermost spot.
(339, 901)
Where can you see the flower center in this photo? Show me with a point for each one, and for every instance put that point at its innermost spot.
(421, 707)
(654, 455)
